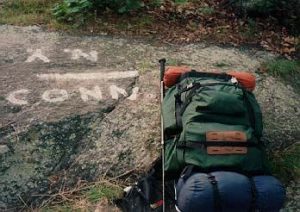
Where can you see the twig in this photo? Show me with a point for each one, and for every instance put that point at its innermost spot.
(64, 195)
(25, 204)
(124, 174)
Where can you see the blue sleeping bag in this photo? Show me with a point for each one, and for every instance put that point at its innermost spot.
(228, 191)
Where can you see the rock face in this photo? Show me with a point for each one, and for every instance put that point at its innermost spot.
(76, 108)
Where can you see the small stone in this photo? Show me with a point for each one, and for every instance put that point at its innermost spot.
(9, 60)
(3, 149)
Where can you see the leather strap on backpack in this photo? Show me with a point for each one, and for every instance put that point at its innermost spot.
(204, 144)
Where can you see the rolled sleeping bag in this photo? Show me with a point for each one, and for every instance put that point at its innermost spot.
(270, 193)
(234, 193)
(172, 74)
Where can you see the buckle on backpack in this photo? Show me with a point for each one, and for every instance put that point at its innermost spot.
(190, 85)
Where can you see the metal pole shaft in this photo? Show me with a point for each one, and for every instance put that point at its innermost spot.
(162, 63)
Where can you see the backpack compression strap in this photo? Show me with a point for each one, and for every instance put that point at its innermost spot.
(204, 144)
(187, 172)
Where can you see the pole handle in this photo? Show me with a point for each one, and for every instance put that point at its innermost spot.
(162, 63)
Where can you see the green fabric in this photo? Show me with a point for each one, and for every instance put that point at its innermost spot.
(222, 107)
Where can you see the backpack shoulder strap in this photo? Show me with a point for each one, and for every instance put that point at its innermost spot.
(180, 106)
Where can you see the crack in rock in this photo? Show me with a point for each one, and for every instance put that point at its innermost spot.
(48, 149)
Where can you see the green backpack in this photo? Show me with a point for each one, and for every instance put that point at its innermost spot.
(212, 123)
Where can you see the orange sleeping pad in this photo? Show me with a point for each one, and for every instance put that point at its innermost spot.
(172, 74)
(246, 79)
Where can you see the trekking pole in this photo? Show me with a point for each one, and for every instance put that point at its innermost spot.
(162, 63)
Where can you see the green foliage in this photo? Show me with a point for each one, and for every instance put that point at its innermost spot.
(180, 1)
(79, 10)
(26, 12)
(71, 10)
(264, 6)
(287, 70)
(286, 11)
(108, 191)
(125, 6)
(282, 67)
(206, 10)
(28, 6)
(285, 164)
(250, 29)
(155, 3)
(174, 62)
(261, 6)
(85, 198)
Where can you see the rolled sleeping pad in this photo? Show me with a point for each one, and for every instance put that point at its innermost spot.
(246, 79)
(196, 193)
(172, 74)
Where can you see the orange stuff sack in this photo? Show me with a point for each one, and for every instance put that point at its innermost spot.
(246, 79)
(172, 74)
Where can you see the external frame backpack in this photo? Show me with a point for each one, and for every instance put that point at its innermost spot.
(213, 122)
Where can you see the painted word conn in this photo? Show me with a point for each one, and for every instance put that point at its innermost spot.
(19, 97)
